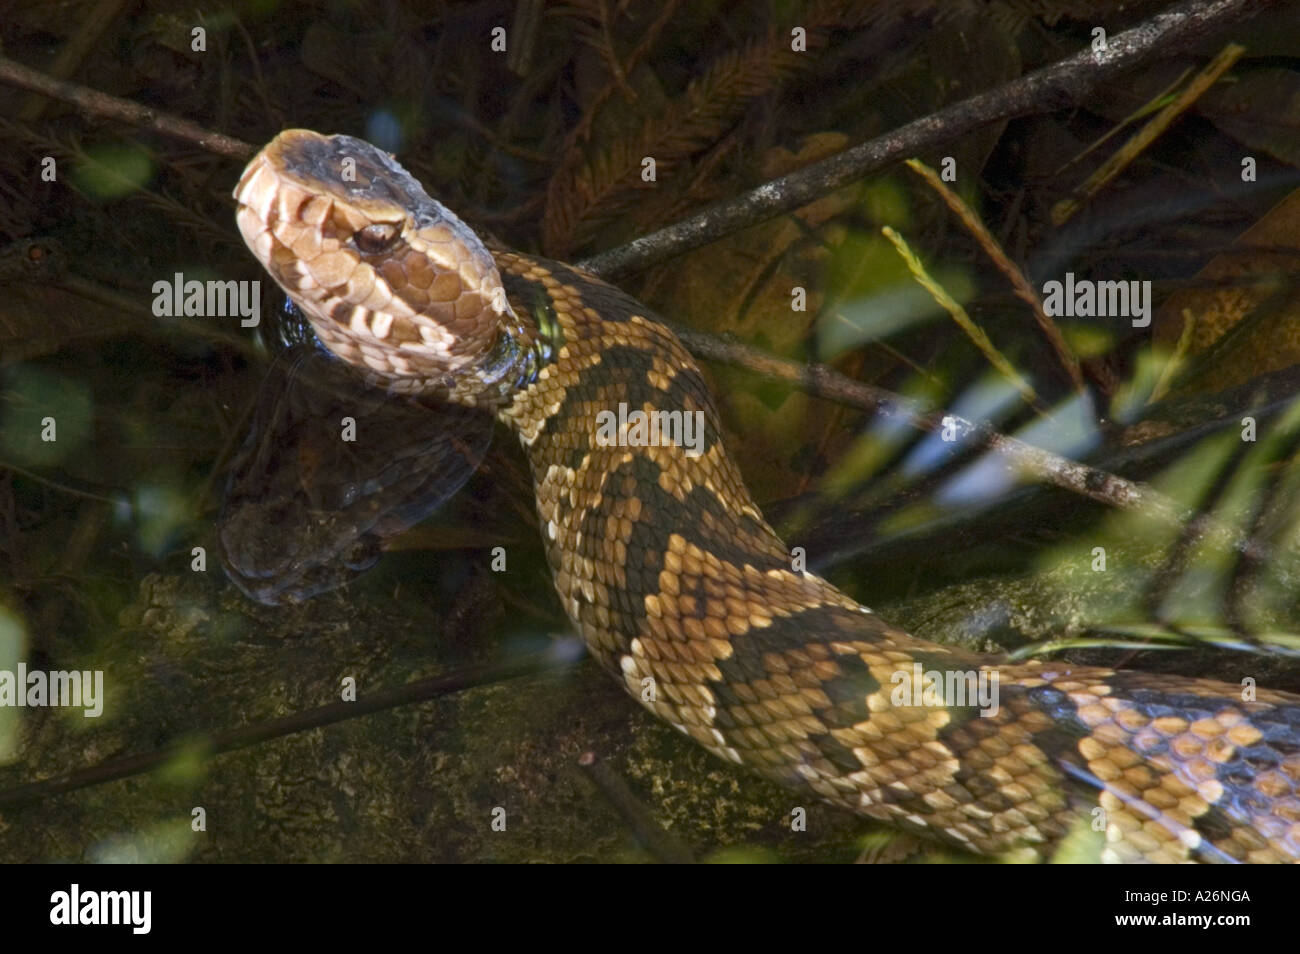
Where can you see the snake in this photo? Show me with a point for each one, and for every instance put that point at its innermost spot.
(682, 591)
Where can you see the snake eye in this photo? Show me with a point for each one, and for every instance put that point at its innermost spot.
(377, 238)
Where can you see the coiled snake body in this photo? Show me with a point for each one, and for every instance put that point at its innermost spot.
(683, 592)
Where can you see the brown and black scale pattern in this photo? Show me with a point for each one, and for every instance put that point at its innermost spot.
(678, 585)
(671, 574)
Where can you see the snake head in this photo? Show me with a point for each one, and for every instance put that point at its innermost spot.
(391, 280)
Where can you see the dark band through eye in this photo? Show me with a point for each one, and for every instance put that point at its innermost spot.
(374, 239)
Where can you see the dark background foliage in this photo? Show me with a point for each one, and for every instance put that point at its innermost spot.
(543, 146)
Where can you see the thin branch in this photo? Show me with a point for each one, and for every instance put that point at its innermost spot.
(1064, 83)
(964, 321)
(1083, 479)
(74, 52)
(1019, 282)
(1149, 133)
(94, 103)
(421, 690)
(663, 845)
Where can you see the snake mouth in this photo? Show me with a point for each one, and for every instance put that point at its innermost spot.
(390, 279)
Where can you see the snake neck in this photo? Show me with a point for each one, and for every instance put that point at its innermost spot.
(509, 366)
(655, 546)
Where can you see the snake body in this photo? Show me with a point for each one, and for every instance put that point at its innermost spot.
(683, 592)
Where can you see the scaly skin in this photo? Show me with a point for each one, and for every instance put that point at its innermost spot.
(685, 594)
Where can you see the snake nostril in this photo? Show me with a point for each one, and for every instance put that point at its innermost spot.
(377, 238)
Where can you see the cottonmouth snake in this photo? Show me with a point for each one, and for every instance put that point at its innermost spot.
(684, 593)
